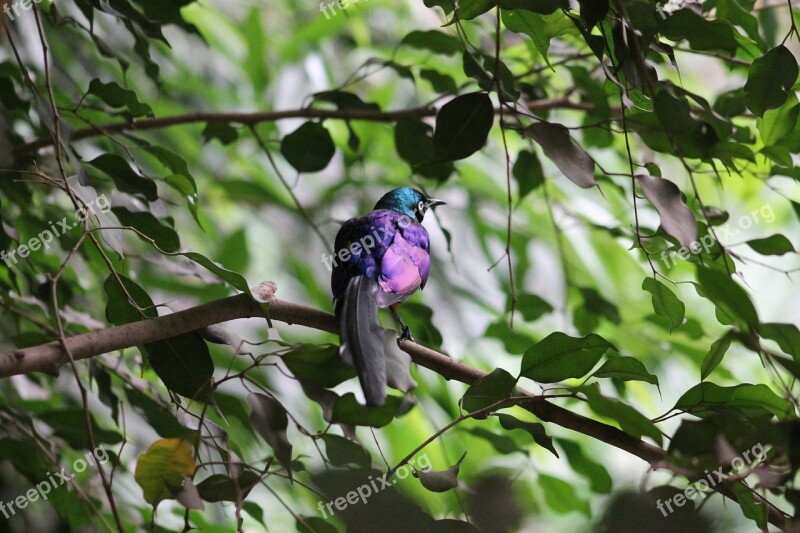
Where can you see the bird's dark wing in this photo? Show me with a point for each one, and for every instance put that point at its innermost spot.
(351, 231)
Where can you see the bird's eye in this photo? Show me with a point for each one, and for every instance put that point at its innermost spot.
(421, 207)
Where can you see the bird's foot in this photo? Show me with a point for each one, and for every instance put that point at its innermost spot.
(406, 334)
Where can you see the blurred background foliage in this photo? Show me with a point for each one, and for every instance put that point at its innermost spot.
(546, 230)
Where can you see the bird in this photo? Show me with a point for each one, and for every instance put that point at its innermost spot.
(380, 259)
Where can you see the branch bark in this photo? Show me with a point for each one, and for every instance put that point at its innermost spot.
(248, 119)
(49, 357)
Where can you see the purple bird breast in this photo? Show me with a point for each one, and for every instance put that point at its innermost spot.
(402, 269)
(393, 250)
(403, 263)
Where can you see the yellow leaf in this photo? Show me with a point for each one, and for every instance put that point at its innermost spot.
(161, 469)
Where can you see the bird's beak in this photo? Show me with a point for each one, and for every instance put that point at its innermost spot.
(432, 202)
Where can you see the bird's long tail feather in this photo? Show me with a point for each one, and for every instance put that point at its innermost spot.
(361, 337)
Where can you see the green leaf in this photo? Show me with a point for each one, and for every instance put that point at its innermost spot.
(597, 475)
(470, 9)
(531, 24)
(236, 280)
(113, 95)
(558, 357)
(255, 511)
(413, 140)
(441, 83)
(105, 391)
(700, 438)
(715, 354)
(676, 218)
(160, 418)
(181, 178)
(221, 131)
(672, 111)
(791, 365)
(26, 459)
(476, 71)
(221, 488)
(780, 122)
(70, 425)
(402, 70)
(786, 335)
(757, 512)
(594, 303)
(702, 34)
(345, 100)
(770, 80)
(485, 73)
(561, 497)
(626, 369)
(543, 7)
(773, 245)
(161, 470)
(706, 398)
(513, 341)
(119, 308)
(568, 156)
(183, 363)
(440, 480)
(269, 419)
(419, 317)
(149, 228)
(309, 148)
(434, 41)
(508, 91)
(531, 306)
(501, 443)
(343, 452)
(232, 407)
(535, 430)
(347, 410)
(729, 297)
(629, 419)
(777, 153)
(665, 303)
(528, 172)
(727, 151)
(490, 389)
(124, 177)
(316, 523)
(731, 103)
(257, 64)
(320, 365)
(593, 11)
(462, 126)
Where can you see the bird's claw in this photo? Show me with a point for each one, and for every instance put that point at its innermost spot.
(406, 334)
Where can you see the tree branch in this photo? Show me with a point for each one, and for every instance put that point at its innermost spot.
(49, 357)
(248, 119)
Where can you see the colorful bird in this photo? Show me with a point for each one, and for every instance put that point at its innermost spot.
(380, 259)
